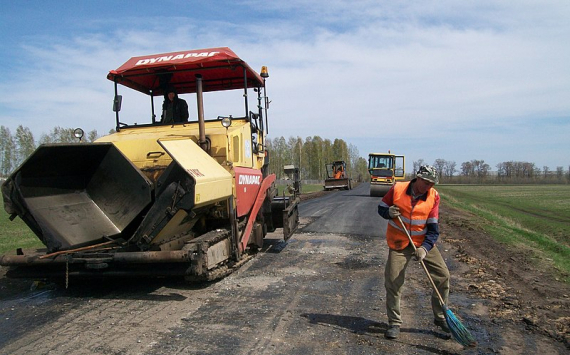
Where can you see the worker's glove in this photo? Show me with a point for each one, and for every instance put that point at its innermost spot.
(420, 253)
(394, 211)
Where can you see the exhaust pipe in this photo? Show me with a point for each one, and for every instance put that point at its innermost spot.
(201, 123)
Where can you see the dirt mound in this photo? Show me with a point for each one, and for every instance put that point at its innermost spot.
(520, 288)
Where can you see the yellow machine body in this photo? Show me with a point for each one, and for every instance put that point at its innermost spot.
(385, 169)
(188, 198)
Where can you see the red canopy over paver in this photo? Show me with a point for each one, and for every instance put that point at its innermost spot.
(221, 69)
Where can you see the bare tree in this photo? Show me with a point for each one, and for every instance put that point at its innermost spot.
(559, 173)
(416, 165)
(480, 168)
(449, 169)
(528, 169)
(545, 171)
(439, 165)
(467, 169)
(501, 170)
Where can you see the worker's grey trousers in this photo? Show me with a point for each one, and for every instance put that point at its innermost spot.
(395, 274)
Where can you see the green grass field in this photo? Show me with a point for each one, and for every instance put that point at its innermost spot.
(305, 189)
(15, 234)
(535, 217)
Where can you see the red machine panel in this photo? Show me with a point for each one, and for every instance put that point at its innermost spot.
(248, 182)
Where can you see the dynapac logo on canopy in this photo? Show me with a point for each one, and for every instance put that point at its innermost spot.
(170, 58)
(249, 180)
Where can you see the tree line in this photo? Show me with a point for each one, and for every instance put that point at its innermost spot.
(311, 155)
(512, 172)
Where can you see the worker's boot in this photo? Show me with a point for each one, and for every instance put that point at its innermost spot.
(392, 332)
(442, 324)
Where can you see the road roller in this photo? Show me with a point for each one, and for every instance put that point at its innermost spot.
(385, 169)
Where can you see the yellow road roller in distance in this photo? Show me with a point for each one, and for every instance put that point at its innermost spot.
(385, 169)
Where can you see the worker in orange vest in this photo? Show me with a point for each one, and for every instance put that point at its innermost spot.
(416, 202)
(339, 172)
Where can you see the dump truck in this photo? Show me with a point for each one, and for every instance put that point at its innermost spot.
(191, 198)
(337, 176)
(384, 169)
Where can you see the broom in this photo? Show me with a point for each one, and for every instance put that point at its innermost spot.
(458, 331)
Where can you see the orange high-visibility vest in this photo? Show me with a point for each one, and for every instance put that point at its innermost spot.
(414, 218)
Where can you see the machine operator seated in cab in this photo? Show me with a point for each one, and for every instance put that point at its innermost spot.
(339, 172)
(174, 109)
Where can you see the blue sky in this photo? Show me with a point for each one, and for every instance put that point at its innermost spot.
(453, 80)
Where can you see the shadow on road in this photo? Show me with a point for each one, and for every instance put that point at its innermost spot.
(127, 289)
(359, 325)
(355, 324)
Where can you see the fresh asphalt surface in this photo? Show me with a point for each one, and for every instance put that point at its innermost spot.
(351, 212)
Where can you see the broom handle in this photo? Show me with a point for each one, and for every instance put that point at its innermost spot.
(422, 262)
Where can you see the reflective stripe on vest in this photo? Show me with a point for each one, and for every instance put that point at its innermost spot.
(416, 224)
